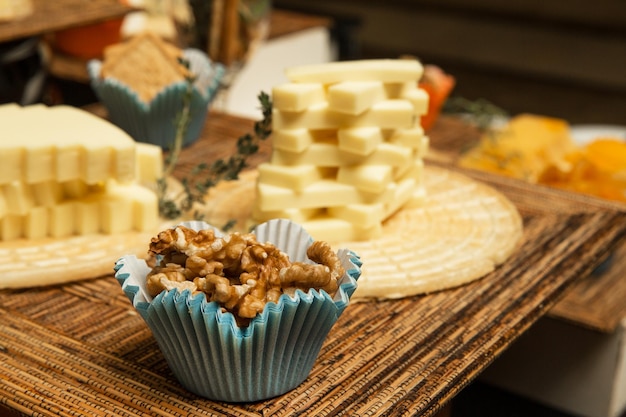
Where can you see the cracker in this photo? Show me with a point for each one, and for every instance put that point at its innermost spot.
(146, 63)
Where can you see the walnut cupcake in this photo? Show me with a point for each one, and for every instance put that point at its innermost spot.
(240, 317)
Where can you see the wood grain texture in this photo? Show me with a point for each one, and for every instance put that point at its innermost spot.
(81, 348)
(49, 16)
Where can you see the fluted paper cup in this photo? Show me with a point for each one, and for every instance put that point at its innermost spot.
(212, 356)
(155, 122)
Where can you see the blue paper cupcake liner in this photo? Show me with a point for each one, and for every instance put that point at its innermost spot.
(212, 356)
(155, 122)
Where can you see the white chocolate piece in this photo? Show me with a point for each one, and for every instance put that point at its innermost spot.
(332, 229)
(359, 140)
(370, 178)
(61, 219)
(418, 97)
(297, 97)
(384, 114)
(297, 140)
(384, 70)
(47, 193)
(88, 216)
(18, 197)
(11, 227)
(329, 155)
(143, 203)
(354, 97)
(149, 163)
(62, 143)
(364, 215)
(36, 223)
(294, 214)
(324, 193)
(294, 177)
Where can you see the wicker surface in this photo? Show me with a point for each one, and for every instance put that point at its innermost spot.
(597, 302)
(80, 348)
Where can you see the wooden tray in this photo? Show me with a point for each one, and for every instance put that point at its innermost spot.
(81, 349)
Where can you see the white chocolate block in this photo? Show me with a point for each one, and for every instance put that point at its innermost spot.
(363, 215)
(143, 214)
(88, 215)
(359, 140)
(384, 114)
(297, 140)
(11, 162)
(61, 219)
(294, 177)
(3, 205)
(11, 227)
(297, 97)
(120, 207)
(324, 193)
(370, 178)
(385, 70)
(332, 229)
(69, 161)
(47, 193)
(18, 197)
(418, 98)
(39, 163)
(61, 143)
(412, 137)
(329, 155)
(74, 189)
(293, 214)
(36, 223)
(354, 97)
(149, 162)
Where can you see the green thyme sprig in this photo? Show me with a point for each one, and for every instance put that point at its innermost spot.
(480, 112)
(205, 176)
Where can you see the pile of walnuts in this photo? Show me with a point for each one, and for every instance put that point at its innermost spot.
(236, 270)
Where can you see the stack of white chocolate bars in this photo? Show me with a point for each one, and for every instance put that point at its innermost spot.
(66, 172)
(347, 147)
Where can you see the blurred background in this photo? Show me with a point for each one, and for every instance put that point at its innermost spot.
(563, 59)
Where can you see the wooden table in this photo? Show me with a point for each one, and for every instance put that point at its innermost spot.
(81, 349)
(50, 16)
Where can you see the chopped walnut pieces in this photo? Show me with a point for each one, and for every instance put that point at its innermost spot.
(237, 271)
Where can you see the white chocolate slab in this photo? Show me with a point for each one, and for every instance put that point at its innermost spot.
(384, 114)
(295, 177)
(418, 97)
(332, 229)
(369, 178)
(329, 155)
(355, 97)
(385, 70)
(61, 143)
(322, 194)
(359, 140)
(297, 97)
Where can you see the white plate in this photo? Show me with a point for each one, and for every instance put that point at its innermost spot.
(583, 134)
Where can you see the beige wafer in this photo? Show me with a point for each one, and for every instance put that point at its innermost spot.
(462, 232)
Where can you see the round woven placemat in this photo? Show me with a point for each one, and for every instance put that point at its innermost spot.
(462, 232)
(31, 263)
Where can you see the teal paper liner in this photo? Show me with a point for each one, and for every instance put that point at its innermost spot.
(155, 122)
(214, 358)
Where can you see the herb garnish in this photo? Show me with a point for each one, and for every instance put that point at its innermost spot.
(205, 176)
